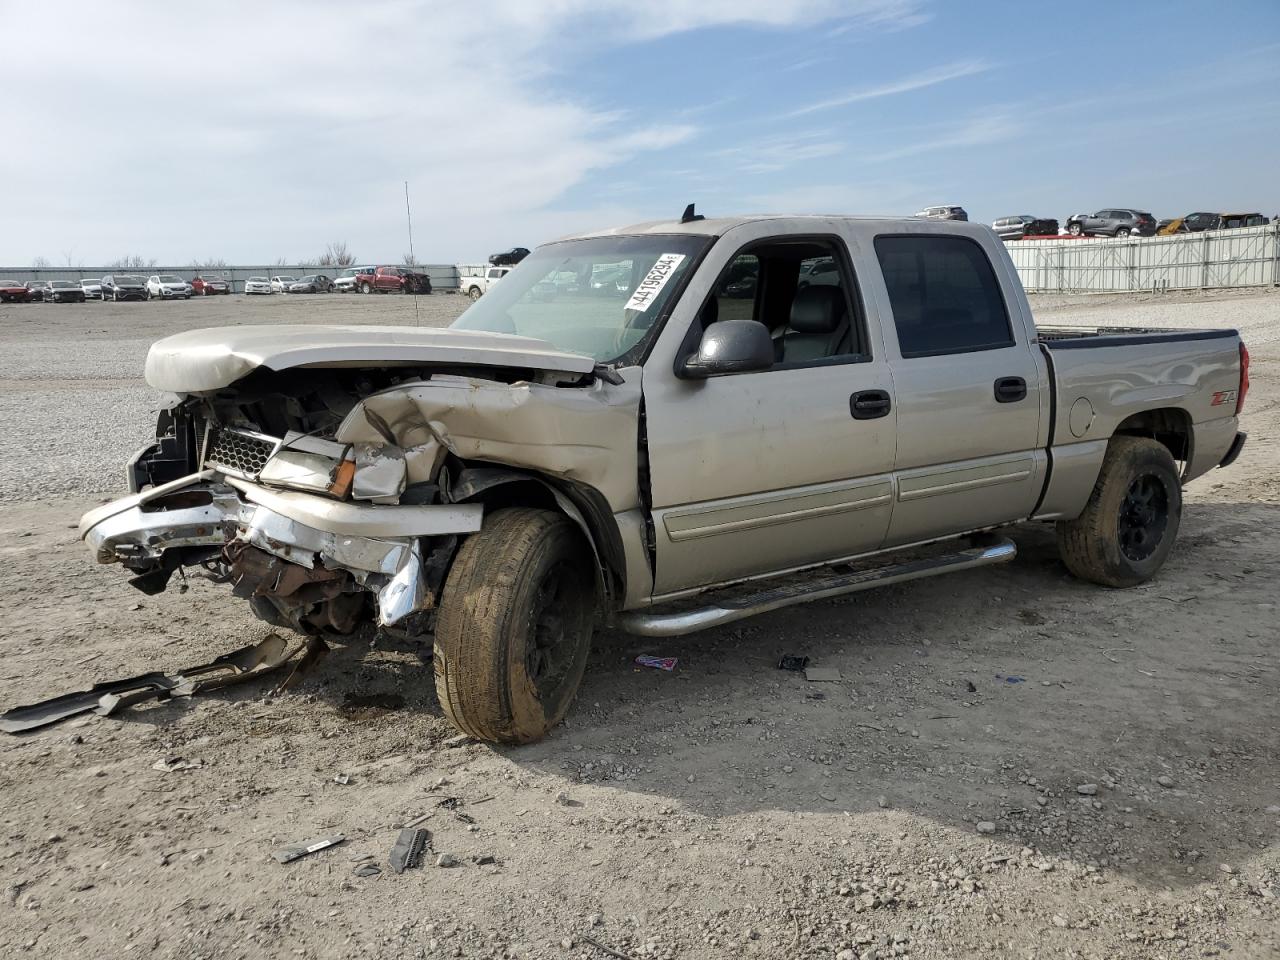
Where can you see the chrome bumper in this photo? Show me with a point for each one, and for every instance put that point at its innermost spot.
(378, 545)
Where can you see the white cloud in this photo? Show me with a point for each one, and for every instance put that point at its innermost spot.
(916, 81)
(266, 130)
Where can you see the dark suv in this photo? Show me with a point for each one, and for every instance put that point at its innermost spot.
(508, 258)
(119, 286)
(1112, 222)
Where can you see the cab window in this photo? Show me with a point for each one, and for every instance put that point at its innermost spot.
(802, 290)
(944, 295)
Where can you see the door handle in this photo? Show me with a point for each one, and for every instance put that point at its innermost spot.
(869, 404)
(1010, 389)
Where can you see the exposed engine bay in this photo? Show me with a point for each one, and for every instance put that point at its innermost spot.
(329, 496)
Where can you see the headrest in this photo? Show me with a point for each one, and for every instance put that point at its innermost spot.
(817, 309)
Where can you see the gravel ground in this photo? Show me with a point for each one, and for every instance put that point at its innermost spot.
(1014, 764)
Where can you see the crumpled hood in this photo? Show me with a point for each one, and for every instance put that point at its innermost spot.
(202, 360)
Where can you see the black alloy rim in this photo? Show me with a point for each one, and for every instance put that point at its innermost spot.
(1144, 516)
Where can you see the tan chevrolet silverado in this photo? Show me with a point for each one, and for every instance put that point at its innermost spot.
(665, 427)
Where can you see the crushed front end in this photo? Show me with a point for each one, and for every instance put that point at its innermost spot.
(318, 535)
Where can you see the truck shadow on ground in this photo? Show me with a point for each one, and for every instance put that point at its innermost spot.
(989, 696)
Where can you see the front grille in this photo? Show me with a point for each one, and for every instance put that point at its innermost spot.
(240, 452)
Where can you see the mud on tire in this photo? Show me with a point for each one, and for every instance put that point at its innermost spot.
(1128, 528)
(514, 626)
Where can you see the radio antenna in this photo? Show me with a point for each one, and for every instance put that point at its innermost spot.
(413, 262)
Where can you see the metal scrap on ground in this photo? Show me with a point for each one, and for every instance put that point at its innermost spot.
(408, 848)
(110, 696)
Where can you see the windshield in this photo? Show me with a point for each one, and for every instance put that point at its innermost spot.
(286, 279)
(600, 297)
(170, 278)
(62, 284)
(310, 279)
(127, 281)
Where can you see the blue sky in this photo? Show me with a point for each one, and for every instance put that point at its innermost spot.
(296, 123)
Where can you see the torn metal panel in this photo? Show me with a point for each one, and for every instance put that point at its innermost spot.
(142, 532)
(381, 473)
(586, 434)
(112, 695)
(364, 520)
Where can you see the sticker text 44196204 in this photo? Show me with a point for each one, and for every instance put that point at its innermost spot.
(648, 289)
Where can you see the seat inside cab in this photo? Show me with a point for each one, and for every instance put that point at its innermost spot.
(801, 290)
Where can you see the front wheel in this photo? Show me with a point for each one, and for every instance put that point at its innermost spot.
(514, 627)
(1128, 528)
(474, 293)
(1122, 232)
(365, 288)
(1075, 229)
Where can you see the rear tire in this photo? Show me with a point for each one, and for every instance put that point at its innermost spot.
(1129, 526)
(514, 627)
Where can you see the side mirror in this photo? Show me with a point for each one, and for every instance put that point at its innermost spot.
(730, 346)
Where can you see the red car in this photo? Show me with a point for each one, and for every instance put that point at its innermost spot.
(11, 291)
(208, 286)
(393, 280)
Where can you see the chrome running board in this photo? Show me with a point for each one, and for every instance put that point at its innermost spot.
(673, 623)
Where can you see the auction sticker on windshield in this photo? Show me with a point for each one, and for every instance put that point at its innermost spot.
(649, 288)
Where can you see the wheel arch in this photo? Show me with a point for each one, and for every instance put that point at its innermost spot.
(499, 486)
(1169, 426)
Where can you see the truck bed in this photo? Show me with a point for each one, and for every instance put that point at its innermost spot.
(1057, 338)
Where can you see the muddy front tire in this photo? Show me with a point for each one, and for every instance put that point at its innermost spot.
(1131, 521)
(514, 627)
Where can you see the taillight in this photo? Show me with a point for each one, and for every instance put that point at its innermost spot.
(1244, 378)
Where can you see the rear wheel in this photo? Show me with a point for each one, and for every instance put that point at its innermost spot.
(1129, 526)
(515, 624)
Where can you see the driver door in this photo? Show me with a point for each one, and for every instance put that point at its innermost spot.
(758, 472)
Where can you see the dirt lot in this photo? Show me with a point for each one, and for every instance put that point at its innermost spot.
(1122, 743)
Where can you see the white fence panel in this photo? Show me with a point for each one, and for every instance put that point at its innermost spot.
(1247, 257)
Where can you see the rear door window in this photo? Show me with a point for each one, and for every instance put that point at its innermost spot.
(944, 295)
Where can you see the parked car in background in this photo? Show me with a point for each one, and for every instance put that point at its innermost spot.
(1196, 222)
(508, 258)
(63, 291)
(92, 289)
(36, 290)
(392, 280)
(209, 286)
(345, 282)
(1025, 225)
(282, 284)
(477, 287)
(123, 286)
(11, 291)
(945, 212)
(258, 285)
(166, 286)
(315, 283)
(817, 272)
(1112, 222)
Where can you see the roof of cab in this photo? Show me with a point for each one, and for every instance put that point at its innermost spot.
(718, 226)
(715, 226)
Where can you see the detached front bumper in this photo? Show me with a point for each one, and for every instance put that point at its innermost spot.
(315, 541)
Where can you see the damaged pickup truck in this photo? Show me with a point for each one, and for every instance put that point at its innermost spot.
(708, 440)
